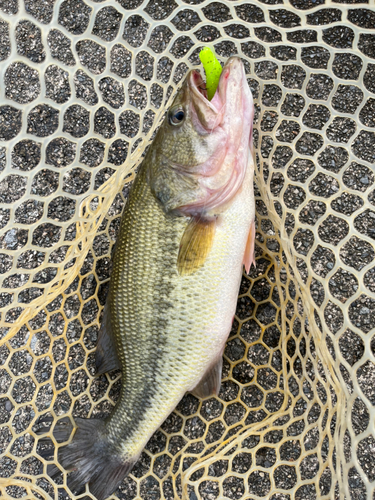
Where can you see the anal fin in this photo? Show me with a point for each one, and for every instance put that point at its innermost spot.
(211, 381)
(249, 256)
(105, 357)
(195, 245)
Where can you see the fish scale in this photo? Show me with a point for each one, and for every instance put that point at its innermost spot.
(141, 281)
(175, 313)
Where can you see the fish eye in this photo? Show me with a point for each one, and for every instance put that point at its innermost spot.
(176, 116)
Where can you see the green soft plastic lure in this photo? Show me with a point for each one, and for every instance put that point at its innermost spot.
(213, 70)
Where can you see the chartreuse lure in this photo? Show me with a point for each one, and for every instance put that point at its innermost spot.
(213, 70)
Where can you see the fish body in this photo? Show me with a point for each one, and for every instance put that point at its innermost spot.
(186, 230)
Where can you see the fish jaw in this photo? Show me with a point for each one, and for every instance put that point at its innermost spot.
(221, 176)
(232, 94)
(206, 115)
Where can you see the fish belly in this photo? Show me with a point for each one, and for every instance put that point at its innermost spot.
(169, 329)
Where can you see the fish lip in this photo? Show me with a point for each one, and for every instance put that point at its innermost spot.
(232, 69)
(197, 86)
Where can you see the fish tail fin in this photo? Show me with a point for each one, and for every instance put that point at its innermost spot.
(93, 460)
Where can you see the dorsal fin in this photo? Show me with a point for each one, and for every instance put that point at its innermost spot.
(196, 243)
(105, 357)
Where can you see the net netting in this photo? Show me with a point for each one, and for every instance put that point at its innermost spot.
(83, 87)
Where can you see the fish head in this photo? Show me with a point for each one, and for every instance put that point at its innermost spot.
(201, 152)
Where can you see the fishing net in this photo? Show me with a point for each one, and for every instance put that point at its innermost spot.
(83, 87)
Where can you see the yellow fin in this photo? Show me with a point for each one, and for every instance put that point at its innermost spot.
(195, 245)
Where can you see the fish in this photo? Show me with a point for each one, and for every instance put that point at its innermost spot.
(186, 231)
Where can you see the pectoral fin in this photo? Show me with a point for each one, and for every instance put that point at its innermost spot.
(211, 381)
(195, 245)
(249, 257)
(105, 357)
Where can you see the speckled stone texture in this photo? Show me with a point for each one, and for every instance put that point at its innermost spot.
(83, 87)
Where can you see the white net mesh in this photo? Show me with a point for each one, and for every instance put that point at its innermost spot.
(83, 86)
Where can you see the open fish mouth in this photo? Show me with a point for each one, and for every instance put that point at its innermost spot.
(229, 91)
(197, 86)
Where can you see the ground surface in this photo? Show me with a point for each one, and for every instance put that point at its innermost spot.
(82, 82)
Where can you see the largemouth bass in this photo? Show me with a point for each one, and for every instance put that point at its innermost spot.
(187, 229)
